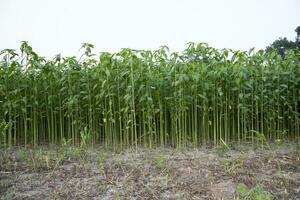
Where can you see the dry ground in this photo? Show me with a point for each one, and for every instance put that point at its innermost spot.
(206, 173)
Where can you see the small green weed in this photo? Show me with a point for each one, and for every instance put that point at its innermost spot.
(223, 148)
(256, 193)
(161, 162)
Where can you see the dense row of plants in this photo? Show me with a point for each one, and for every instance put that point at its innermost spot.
(148, 98)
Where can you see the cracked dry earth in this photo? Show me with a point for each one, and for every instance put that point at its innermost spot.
(70, 173)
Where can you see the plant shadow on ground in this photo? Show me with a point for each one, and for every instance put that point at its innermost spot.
(82, 173)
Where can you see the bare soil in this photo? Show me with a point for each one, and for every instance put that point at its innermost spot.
(206, 173)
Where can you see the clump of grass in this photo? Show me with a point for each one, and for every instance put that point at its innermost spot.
(101, 160)
(256, 193)
(235, 166)
(86, 138)
(36, 160)
(161, 162)
(223, 148)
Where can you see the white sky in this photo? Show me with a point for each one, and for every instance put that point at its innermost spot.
(60, 26)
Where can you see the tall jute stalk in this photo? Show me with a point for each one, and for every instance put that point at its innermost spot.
(149, 98)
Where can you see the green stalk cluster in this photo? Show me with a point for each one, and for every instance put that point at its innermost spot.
(149, 98)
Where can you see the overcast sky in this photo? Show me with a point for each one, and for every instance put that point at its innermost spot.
(60, 26)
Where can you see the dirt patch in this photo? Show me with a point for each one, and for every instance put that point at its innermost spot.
(70, 173)
(224, 190)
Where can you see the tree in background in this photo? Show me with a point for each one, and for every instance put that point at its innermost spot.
(298, 34)
(283, 44)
